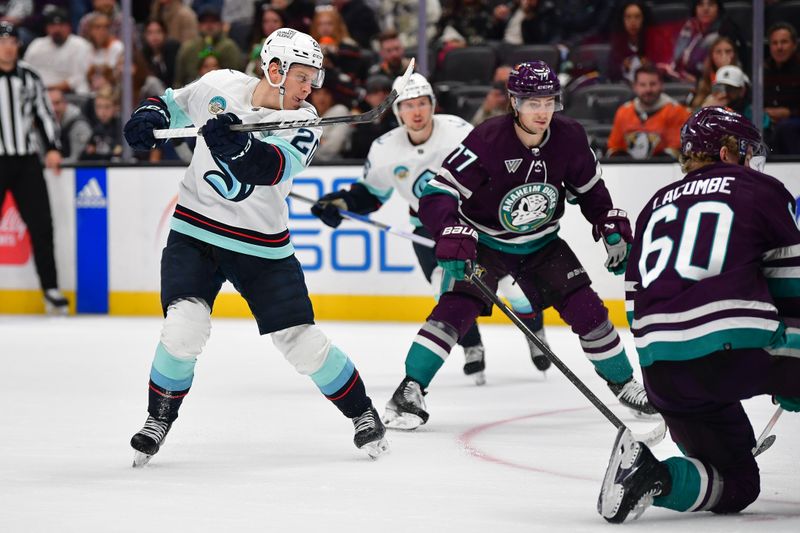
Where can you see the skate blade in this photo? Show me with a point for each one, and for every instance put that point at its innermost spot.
(405, 422)
(611, 493)
(644, 416)
(140, 459)
(376, 448)
(51, 310)
(479, 378)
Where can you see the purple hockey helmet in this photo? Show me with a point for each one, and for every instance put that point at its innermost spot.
(703, 132)
(535, 79)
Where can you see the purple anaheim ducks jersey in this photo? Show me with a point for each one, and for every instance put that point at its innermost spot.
(514, 195)
(715, 263)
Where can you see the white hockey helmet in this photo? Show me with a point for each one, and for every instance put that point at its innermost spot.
(417, 86)
(288, 47)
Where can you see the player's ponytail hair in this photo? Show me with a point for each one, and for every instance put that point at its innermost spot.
(695, 160)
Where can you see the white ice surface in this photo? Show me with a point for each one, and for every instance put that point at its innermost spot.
(257, 448)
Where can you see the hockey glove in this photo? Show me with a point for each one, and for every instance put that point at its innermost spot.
(223, 142)
(152, 114)
(615, 230)
(456, 245)
(327, 207)
(788, 403)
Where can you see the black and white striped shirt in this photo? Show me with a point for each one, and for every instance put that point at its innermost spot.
(23, 102)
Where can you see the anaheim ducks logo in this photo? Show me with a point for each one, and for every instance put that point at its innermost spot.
(527, 207)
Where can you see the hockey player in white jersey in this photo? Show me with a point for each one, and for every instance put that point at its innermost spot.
(231, 224)
(405, 159)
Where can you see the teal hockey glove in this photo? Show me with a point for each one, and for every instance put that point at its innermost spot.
(788, 403)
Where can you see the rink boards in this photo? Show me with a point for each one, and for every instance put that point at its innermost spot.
(111, 224)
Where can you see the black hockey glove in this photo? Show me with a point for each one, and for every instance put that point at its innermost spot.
(223, 142)
(328, 206)
(152, 114)
(615, 230)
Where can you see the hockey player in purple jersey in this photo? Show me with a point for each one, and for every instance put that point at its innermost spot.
(712, 288)
(405, 159)
(498, 199)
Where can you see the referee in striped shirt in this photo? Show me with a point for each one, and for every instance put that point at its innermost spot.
(23, 105)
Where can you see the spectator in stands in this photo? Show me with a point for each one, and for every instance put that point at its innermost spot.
(403, 17)
(267, 20)
(145, 83)
(74, 128)
(360, 19)
(496, 101)
(393, 61)
(210, 42)
(102, 7)
(106, 49)
(721, 53)
(100, 78)
(732, 89)
(581, 21)
(325, 101)
(695, 38)
(105, 143)
(60, 58)
(179, 19)
(378, 88)
(471, 19)
(338, 47)
(207, 61)
(159, 51)
(782, 88)
(450, 40)
(298, 13)
(524, 22)
(237, 19)
(650, 124)
(628, 38)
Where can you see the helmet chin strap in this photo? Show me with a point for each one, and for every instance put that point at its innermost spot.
(279, 85)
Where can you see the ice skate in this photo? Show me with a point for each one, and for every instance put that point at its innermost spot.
(633, 478)
(55, 303)
(632, 395)
(406, 409)
(149, 440)
(539, 359)
(370, 433)
(475, 363)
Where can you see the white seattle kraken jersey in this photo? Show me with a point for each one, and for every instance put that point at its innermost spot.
(393, 163)
(213, 205)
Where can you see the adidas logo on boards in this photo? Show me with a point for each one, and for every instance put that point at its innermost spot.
(512, 165)
(91, 195)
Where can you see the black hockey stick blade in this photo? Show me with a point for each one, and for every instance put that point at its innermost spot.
(765, 445)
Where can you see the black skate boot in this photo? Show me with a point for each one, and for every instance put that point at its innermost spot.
(370, 433)
(633, 478)
(149, 440)
(539, 359)
(406, 409)
(475, 363)
(632, 395)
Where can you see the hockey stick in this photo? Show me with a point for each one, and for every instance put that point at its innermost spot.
(650, 438)
(369, 116)
(765, 440)
(424, 241)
